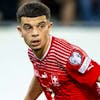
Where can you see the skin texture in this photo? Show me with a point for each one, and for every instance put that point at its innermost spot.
(98, 79)
(35, 32)
(34, 90)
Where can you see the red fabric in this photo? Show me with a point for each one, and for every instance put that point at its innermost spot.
(57, 75)
(89, 77)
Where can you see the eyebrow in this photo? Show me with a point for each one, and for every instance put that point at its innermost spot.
(41, 22)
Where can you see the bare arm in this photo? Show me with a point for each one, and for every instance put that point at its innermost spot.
(98, 79)
(34, 90)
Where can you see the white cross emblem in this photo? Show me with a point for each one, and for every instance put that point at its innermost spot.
(55, 80)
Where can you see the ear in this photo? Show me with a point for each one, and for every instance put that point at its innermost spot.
(20, 30)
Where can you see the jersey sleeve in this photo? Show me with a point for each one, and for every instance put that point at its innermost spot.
(82, 68)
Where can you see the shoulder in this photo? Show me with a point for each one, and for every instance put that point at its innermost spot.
(30, 51)
(30, 54)
(62, 42)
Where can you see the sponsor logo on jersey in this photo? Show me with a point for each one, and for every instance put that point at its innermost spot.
(44, 75)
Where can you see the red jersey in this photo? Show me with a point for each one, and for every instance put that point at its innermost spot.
(66, 72)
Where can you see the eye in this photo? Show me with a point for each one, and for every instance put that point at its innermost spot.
(41, 25)
(27, 27)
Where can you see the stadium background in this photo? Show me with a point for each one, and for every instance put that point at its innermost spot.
(16, 70)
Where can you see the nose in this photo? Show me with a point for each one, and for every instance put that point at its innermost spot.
(35, 32)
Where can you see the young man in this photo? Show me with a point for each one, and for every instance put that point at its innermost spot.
(62, 70)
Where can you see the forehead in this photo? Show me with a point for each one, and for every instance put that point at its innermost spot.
(33, 20)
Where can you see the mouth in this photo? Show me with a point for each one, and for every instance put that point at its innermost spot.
(35, 43)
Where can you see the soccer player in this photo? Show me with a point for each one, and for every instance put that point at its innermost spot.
(62, 70)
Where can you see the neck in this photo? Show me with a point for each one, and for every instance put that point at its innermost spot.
(40, 52)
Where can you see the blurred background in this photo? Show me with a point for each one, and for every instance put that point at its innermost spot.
(77, 21)
(63, 11)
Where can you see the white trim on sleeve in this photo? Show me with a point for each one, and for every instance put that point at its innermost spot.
(85, 65)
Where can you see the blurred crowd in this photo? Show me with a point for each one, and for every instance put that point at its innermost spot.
(65, 11)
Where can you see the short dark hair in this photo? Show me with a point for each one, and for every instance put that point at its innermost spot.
(32, 9)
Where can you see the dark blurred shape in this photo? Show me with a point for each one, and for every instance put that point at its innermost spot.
(8, 9)
(68, 11)
(62, 11)
(89, 10)
(23, 1)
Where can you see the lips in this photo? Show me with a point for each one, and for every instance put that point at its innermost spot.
(35, 42)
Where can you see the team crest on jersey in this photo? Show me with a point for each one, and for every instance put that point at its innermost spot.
(75, 58)
(55, 81)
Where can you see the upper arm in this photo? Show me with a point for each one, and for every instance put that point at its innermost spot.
(98, 80)
(35, 86)
(82, 68)
(34, 90)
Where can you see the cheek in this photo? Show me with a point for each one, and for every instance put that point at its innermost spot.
(23, 34)
(26, 39)
(45, 36)
(46, 33)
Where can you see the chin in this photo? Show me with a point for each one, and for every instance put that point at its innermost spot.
(36, 48)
